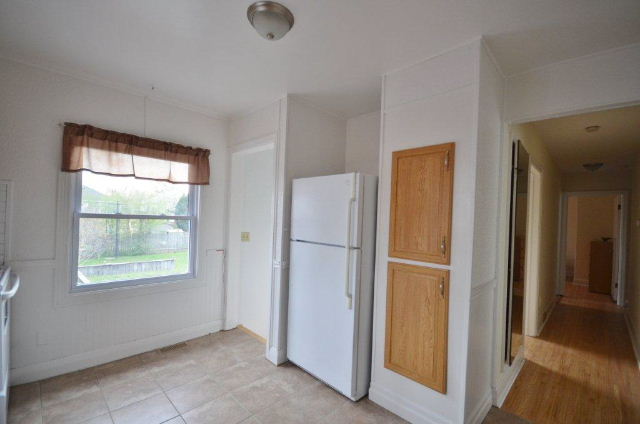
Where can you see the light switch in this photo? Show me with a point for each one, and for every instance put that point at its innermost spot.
(244, 236)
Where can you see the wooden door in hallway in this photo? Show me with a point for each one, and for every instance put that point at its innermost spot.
(582, 368)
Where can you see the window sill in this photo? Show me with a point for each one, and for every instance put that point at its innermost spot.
(93, 295)
(119, 285)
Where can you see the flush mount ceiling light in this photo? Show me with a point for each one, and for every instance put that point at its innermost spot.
(270, 19)
(592, 128)
(592, 167)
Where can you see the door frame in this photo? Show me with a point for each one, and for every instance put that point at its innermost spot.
(561, 272)
(532, 261)
(504, 375)
(231, 294)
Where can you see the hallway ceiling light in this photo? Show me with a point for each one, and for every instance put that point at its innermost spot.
(592, 128)
(592, 167)
(270, 19)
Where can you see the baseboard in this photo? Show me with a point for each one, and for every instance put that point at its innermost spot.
(84, 360)
(580, 282)
(632, 335)
(548, 313)
(404, 408)
(501, 393)
(480, 411)
(253, 334)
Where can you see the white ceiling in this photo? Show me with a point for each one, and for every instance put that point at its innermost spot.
(204, 52)
(616, 144)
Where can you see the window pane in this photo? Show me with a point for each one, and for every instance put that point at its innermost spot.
(112, 250)
(133, 196)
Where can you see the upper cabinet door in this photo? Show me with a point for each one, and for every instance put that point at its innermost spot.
(421, 204)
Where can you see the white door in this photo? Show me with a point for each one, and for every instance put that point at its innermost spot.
(321, 207)
(251, 237)
(320, 335)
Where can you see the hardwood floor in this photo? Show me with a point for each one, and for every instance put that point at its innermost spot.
(582, 368)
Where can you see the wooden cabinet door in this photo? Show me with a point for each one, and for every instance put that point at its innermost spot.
(600, 266)
(417, 324)
(421, 203)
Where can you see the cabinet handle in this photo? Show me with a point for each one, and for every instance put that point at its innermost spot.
(446, 160)
(443, 245)
(442, 287)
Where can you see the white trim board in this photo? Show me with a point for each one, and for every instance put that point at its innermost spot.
(6, 204)
(632, 334)
(480, 411)
(532, 261)
(92, 358)
(501, 393)
(400, 406)
(548, 312)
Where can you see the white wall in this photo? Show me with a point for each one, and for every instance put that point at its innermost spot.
(490, 92)
(309, 142)
(314, 144)
(585, 83)
(53, 331)
(430, 103)
(597, 181)
(270, 121)
(599, 81)
(257, 124)
(363, 144)
(316, 141)
(632, 291)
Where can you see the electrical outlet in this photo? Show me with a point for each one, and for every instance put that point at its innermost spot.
(244, 236)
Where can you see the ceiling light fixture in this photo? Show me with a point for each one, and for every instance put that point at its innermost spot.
(592, 167)
(592, 128)
(270, 19)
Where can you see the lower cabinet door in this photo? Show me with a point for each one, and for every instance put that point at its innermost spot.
(417, 323)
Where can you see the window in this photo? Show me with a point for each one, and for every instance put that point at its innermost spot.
(129, 231)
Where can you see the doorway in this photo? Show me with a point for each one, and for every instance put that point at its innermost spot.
(250, 238)
(593, 244)
(581, 344)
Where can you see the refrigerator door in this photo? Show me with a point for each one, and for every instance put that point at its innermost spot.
(321, 207)
(321, 330)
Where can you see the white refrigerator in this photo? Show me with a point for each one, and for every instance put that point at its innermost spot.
(331, 279)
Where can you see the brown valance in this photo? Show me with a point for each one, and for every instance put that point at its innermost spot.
(87, 148)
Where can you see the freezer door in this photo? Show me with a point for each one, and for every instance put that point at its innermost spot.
(321, 207)
(320, 336)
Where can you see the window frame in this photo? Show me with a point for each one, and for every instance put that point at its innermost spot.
(192, 217)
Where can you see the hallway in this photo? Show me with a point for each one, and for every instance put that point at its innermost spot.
(582, 368)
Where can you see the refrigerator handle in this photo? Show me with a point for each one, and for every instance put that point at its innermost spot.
(347, 250)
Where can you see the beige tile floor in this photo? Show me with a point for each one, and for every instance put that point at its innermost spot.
(219, 378)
